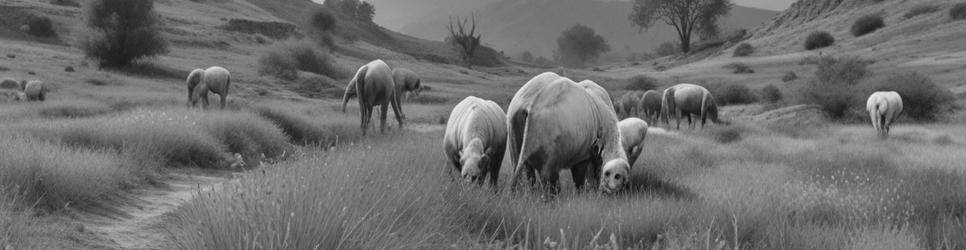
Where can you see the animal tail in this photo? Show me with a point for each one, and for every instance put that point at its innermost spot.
(519, 122)
(354, 86)
(666, 102)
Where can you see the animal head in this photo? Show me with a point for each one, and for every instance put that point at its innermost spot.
(194, 77)
(615, 175)
(473, 159)
(351, 89)
(417, 87)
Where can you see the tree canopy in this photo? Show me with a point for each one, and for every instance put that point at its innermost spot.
(685, 16)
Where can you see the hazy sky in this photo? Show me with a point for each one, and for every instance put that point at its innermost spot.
(766, 4)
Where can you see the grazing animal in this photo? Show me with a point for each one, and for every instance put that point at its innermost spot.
(633, 130)
(554, 124)
(475, 139)
(374, 86)
(201, 81)
(35, 91)
(10, 84)
(629, 102)
(596, 90)
(407, 82)
(651, 106)
(884, 108)
(689, 100)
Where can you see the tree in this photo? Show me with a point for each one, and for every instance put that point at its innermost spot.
(686, 16)
(466, 41)
(580, 44)
(323, 20)
(121, 31)
(349, 6)
(526, 56)
(365, 12)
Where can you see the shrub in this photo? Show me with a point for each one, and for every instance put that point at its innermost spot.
(834, 85)
(286, 59)
(323, 20)
(277, 63)
(642, 82)
(732, 93)
(771, 94)
(848, 70)
(958, 11)
(70, 3)
(667, 49)
(744, 49)
(789, 76)
(121, 31)
(740, 68)
(246, 134)
(41, 26)
(921, 10)
(922, 99)
(867, 24)
(819, 39)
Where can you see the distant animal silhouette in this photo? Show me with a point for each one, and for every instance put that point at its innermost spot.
(689, 100)
(201, 81)
(650, 106)
(35, 91)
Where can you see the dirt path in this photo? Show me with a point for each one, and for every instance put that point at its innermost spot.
(137, 222)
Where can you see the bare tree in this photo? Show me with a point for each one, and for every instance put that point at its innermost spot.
(686, 16)
(466, 41)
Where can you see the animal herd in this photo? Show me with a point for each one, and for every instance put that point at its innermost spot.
(23, 90)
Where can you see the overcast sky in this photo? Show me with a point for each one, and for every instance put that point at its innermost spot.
(766, 4)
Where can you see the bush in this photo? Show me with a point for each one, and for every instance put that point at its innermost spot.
(246, 134)
(740, 68)
(848, 70)
(286, 59)
(667, 49)
(922, 99)
(121, 31)
(278, 63)
(771, 94)
(867, 24)
(744, 49)
(958, 11)
(642, 82)
(834, 86)
(819, 39)
(323, 20)
(731, 93)
(70, 3)
(921, 10)
(789, 76)
(41, 26)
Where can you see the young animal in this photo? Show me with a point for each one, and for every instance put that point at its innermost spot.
(629, 102)
(651, 106)
(201, 81)
(633, 130)
(35, 91)
(554, 124)
(374, 86)
(475, 139)
(407, 82)
(884, 108)
(687, 99)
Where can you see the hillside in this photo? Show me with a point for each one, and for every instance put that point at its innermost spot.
(514, 26)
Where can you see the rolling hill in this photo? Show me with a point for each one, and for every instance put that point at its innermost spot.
(515, 26)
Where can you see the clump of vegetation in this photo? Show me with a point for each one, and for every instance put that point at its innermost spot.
(732, 93)
(789, 76)
(867, 24)
(702, 17)
(526, 56)
(818, 40)
(958, 11)
(744, 49)
(922, 99)
(323, 20)
(771, 94)
(284, 60)
(246, 134)
(666, 49)
(41, 26)
(834, 85)
(921, 9)
(121, 31)
(740, 68)
(642, 82)
(466, 40)
(302, 130)
(580, 44)
(69, 3)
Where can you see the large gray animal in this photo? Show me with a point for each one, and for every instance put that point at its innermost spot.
(374, 86)
(35, 91)
(629, 103)
(689, 100)
(201, 81)
(651, 106)
(475, 139)
(596, 90)
(884, 108)
(633, 131)
(407, 82)
(554, 124)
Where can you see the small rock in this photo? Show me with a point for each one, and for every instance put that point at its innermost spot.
(79, 228)
(31, 73)
(69, 69)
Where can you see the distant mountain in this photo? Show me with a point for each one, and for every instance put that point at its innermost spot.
(394, 14)
(514, 26)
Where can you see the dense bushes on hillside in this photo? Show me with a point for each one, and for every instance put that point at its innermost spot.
(732, 93)
(789, 76)
(867, 24)
(41, 26)
(744, 49)
(121, 31)
(771, 94)
(642, 82)
(739, 68)
(922, 99)
(921, 9)
(286, 59)
(958, 11)
(819, 39)
(71, 3)
(834, 87)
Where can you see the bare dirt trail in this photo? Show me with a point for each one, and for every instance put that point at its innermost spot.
(138, 222)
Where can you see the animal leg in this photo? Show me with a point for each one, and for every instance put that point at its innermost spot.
(204, 100)
(383, 111)
(397, 110)
(496, 161)
(579, 173)
(549, 180)
(224, 98)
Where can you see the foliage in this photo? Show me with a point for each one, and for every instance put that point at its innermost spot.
(846, 70)
(365, 12)
(921, 9)
(922, 99)
(744, 49)
(323, 20)
(867, 24)
(771, 94)
(685, 16)
(466, 40)
(284, 60)
(732, 93)
(304, 130)
(789, 76)
(121, 31)
(526, 56)
(834, 86)
(580, 44)
(41, 26)
(642, 82)
(667, 49)
(819, 39)
(958, 11)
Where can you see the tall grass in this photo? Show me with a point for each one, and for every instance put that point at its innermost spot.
(306, 129)
(54, 109)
